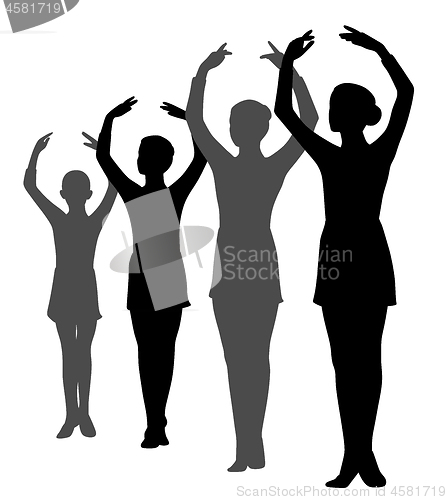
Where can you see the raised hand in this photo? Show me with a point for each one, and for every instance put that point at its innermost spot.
(174, 110)
(275, 57)
(215, 58)
(123, 108)
(42, 143)
(361, 39)
(93, 142)
(297, 47)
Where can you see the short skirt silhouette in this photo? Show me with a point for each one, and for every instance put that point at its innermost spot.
(254, 276)
(354, 265)
(74, 296)
(138, 295)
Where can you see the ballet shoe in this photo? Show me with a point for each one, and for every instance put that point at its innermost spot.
(162, 439)
(257, 456)
(238, 466)
(86, 426)
(370, 473)
(67, 429)
(149, 442)
(341, 481)
(348, 471)
(154, 438)
(256, 464)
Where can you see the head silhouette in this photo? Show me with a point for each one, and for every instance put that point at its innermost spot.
(155, 155)
(249, 123)
(352, 108)
(76, 188)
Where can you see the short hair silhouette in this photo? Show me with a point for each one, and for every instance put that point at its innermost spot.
(155, 147)
(76, 185)
(249, 122)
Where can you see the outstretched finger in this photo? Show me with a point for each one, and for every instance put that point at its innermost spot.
(308, 34)
(47, 136)
(89, 137)
(266, 56)
(273, 47)
(308, 46)
(222, 47)
(351, 29)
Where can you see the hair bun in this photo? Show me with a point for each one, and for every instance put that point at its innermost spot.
(374, 115)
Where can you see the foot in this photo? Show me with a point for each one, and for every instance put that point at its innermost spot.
(150, 442)
(238, 466)
(154, 438)
(348, 471)
(256, 458)
(370, 472)
(67, 429)
(162, 439)
(87, 427)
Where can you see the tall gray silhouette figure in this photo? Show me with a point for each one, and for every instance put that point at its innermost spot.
(154, 209)
(355, 283)
(74, 296)
(246, 290)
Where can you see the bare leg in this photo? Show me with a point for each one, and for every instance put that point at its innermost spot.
(67, 336)
(86, 331)
(355, 335)
(245, 330)
(156, 333)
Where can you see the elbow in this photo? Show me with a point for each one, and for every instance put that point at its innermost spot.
(312, 120)
(408, 88)
(100, 155)
(279, 110)
(282, 112)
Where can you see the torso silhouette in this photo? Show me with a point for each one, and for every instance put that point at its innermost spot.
(74, 294)
(246, 193)
(353, 243)
(148, 221)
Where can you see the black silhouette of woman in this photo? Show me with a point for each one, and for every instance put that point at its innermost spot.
(355, 283)
(155, 330)
(246, 298)
(74, 296)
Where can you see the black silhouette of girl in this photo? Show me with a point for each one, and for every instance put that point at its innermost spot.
(155, 330)
(355, 283)
(246, 299)
(74, 296)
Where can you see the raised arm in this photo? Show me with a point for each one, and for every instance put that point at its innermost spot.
(209, 146)
(309, 140)
(405, 90)
(107, 202)
(50, 210)
(287, 156)
(115, 175)
(184, 185)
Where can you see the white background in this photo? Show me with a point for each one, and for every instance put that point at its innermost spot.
(64, 77)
